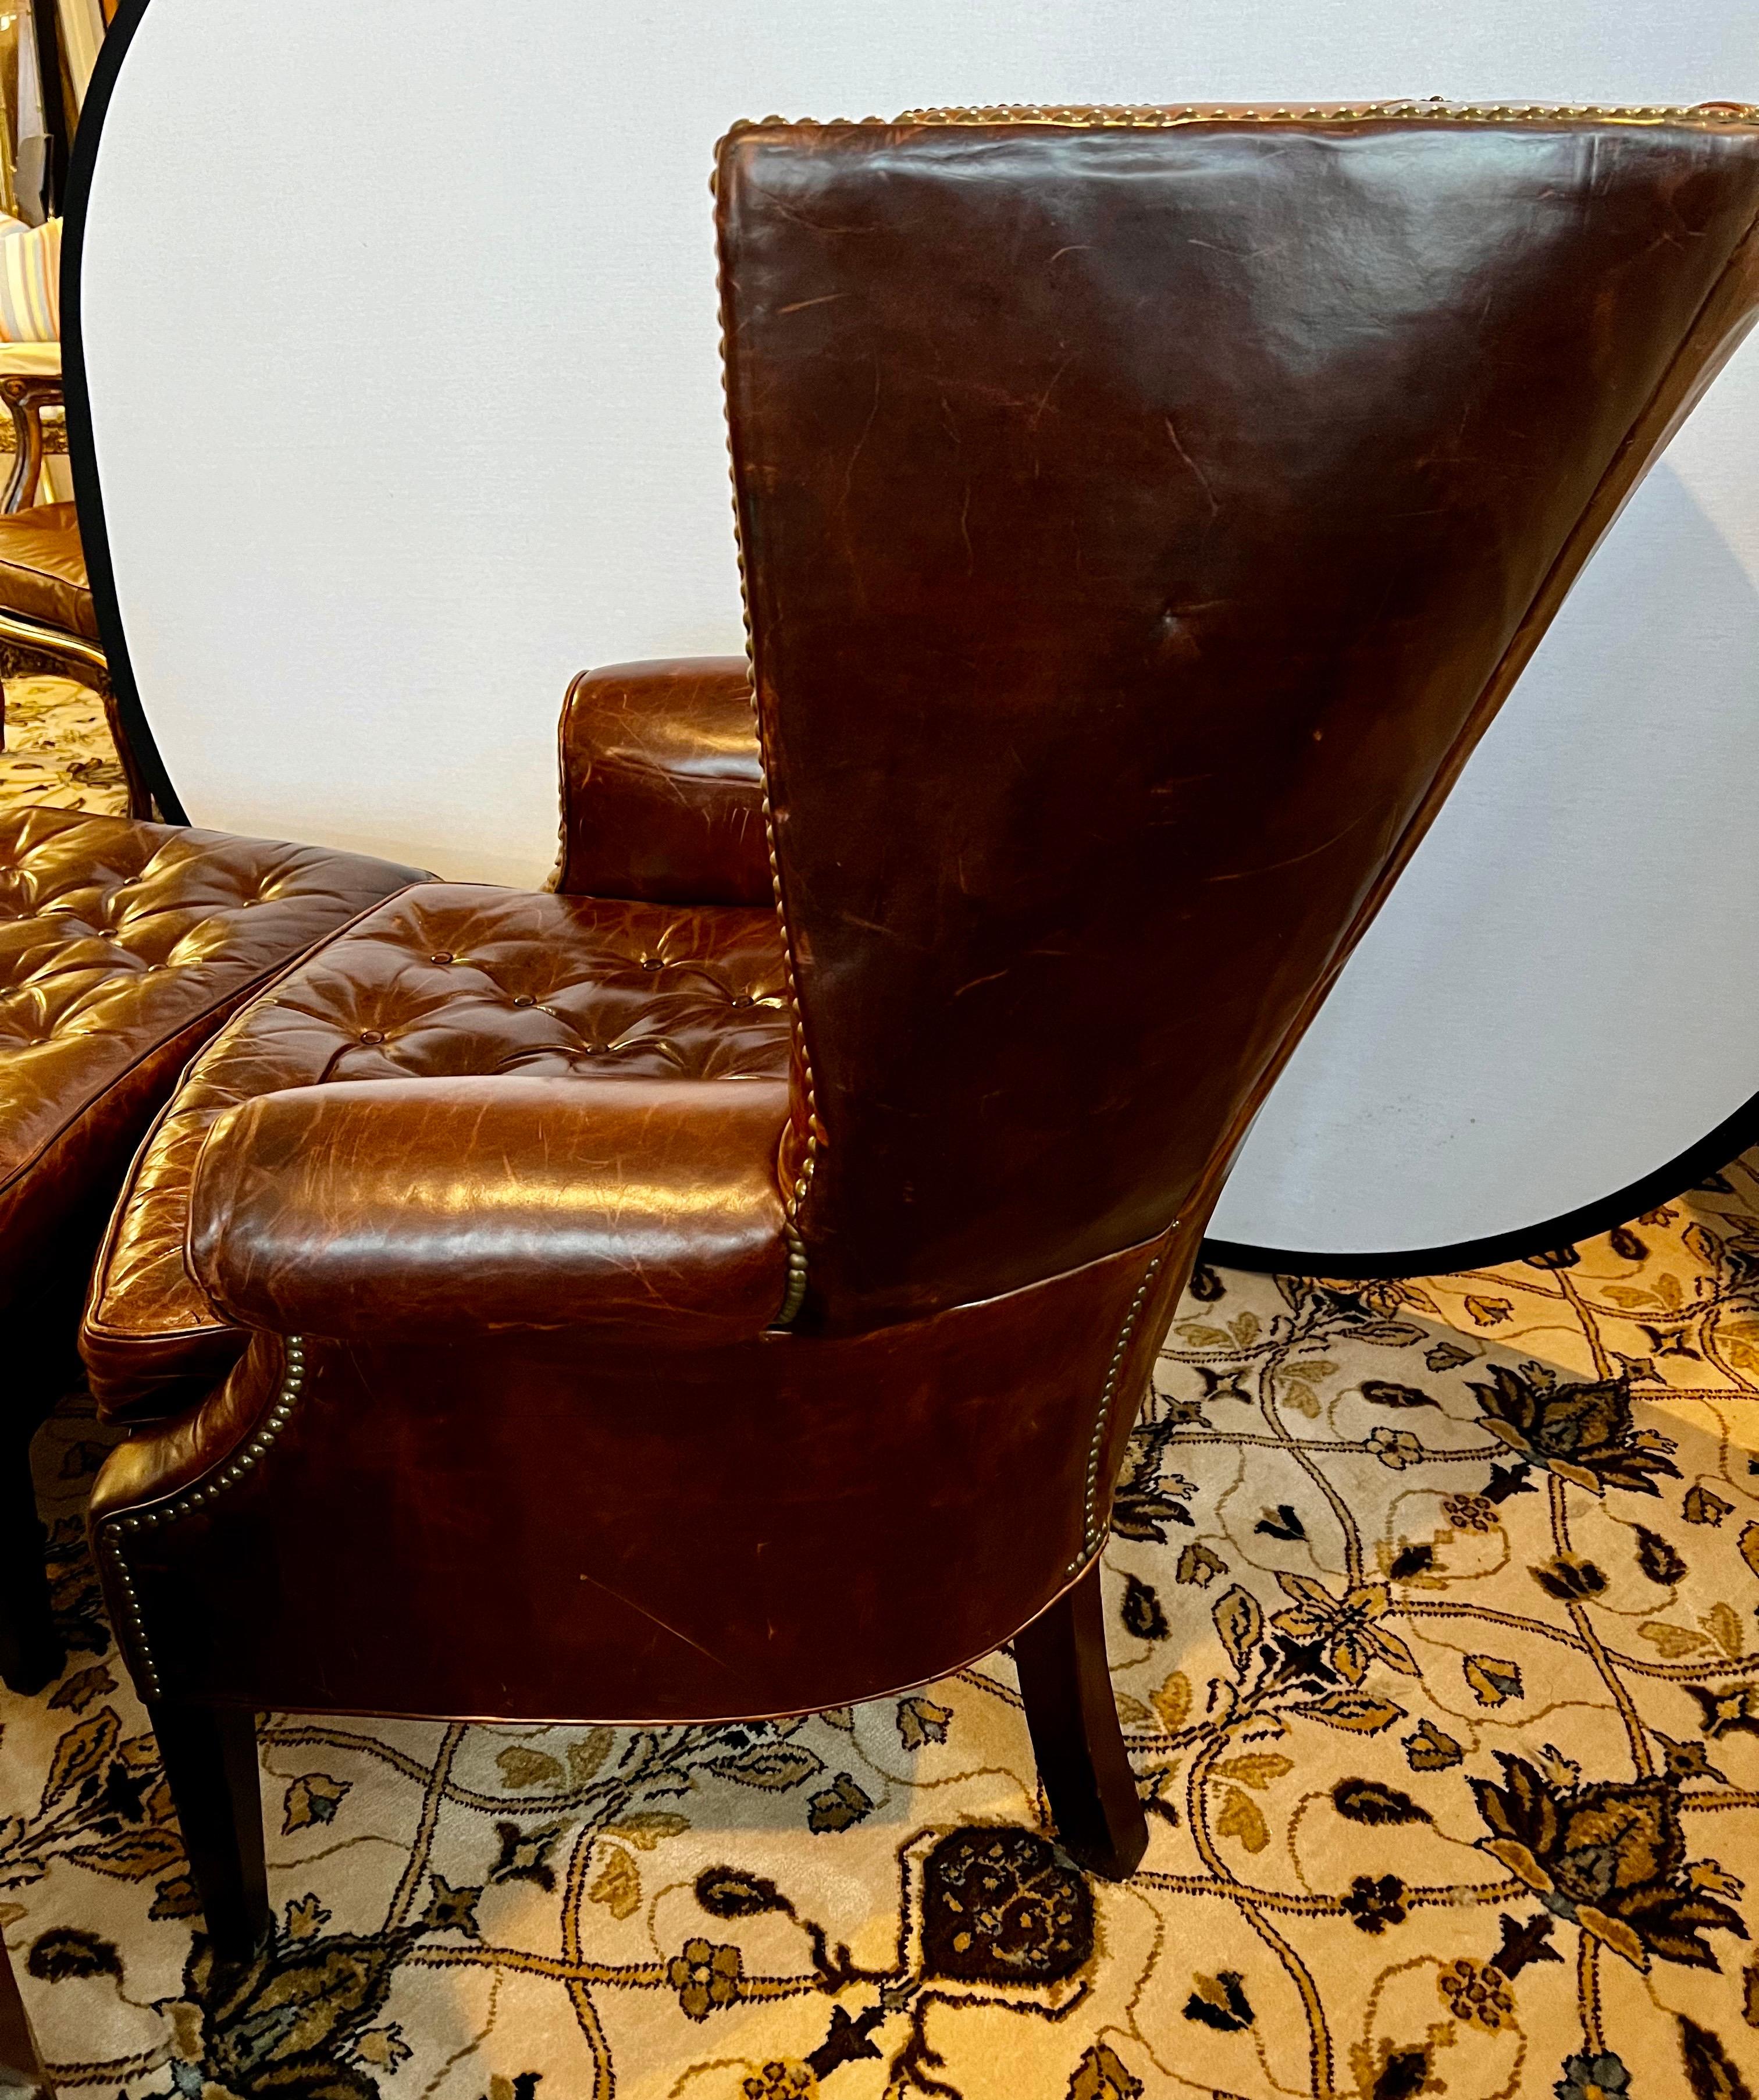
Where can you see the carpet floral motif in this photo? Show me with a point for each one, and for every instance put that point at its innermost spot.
(1433, 1619)
(58, 750)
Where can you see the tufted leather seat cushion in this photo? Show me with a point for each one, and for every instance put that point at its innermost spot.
(447, 980)
(43, 569)
(122, 945)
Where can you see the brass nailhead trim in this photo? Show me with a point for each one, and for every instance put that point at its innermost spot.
(795, 1196)
(110, 1543)
(796, 1282)
(1090, 1535)
(1088, 116)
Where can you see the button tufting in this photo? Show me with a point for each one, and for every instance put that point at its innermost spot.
(588, 950)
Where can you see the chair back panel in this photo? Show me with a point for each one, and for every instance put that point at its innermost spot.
(1139, 524)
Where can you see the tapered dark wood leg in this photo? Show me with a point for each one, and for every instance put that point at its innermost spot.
(210, 1759)
(31, 1652)
(1067, 1686)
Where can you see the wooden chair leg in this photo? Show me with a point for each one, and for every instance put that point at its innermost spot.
(1067, 1686)
(31, 1652)
(210, 1759)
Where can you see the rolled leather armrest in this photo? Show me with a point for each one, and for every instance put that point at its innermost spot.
(661, 786)
(642, 1210)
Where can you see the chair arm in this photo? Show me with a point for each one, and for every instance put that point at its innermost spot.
(644, 1210)
(662, 785)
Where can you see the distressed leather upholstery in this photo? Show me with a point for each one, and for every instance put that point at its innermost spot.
(1141, 520)
(629, 1209)
(662, 789)
(43, 569)
(446, 980)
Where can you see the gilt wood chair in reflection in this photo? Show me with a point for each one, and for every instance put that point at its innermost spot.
(47, 617)
(723, 1287)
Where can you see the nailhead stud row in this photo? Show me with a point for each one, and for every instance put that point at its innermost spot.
(1089, 1533)
(795, 1200)
(132, 1627)
(795, 1291)
(1088, 115)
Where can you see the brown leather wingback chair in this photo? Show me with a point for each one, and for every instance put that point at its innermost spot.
(644, 1307)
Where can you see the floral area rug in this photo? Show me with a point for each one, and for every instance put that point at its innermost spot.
(1432, 1611)
(58, 749)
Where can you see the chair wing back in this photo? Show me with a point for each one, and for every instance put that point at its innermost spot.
(1140, 519)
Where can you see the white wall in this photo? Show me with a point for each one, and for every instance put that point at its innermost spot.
(400, 322)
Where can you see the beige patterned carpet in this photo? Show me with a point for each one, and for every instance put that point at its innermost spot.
(58, 749)
(1433, 1618)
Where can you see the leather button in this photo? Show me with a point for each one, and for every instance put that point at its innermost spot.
(445, 955)
(371, 1035)
(525, 998)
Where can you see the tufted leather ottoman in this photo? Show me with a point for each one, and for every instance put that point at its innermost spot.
(123, 945)
(446, 981)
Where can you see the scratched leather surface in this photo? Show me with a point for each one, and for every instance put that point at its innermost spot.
(1118, 609)
(448, 980)
(123, 945)
(635, 1208)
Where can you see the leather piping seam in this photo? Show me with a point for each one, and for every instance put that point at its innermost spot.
(1091, 1538)
(1148, 116)
(225, 1476)
(795, 1196)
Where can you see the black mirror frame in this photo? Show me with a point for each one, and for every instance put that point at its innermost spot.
(82, 458)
